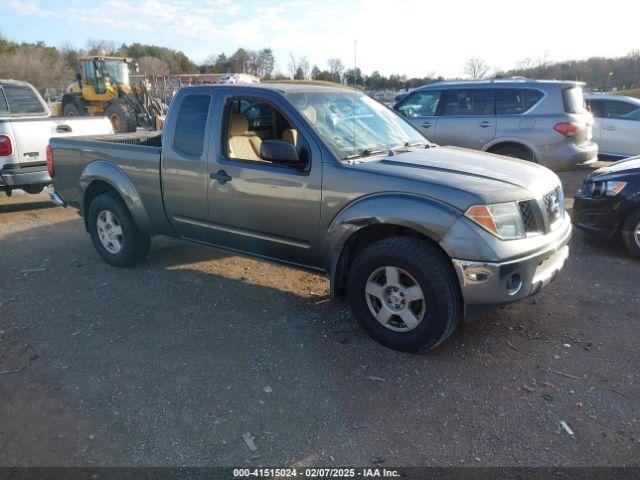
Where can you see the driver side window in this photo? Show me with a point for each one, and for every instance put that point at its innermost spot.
(251, 121)
(420, 104)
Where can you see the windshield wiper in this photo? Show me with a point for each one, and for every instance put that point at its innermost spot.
(407, 145)
(367, 152)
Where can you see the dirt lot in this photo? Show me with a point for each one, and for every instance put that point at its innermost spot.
(171, 362)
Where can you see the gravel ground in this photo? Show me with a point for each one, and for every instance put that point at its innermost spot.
(171, 362)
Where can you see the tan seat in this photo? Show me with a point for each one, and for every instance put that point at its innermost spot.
(290, 135)
(243, 144)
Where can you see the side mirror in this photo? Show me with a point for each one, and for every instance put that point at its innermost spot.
(279, 151)
(79, 79)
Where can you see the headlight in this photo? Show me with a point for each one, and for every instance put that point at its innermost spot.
(602, 188)
(501, 219)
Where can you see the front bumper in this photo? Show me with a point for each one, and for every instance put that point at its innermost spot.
(600, 216)
(487, 283)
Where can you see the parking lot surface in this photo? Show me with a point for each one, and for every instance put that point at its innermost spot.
(173, 361)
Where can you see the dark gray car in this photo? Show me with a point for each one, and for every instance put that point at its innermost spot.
(542, 121)
(415, 235)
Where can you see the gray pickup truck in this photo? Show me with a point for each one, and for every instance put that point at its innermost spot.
(326, 179)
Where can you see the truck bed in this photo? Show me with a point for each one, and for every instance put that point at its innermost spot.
(127, 158)
(149, 139)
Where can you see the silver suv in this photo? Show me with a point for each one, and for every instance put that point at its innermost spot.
(541, 121)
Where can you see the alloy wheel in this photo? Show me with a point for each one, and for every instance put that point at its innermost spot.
(395, 299)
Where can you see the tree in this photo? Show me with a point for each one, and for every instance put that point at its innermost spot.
(37, 65)
(266, 61)
(316, 74)
(293, 65)
(476, 68)
(101, 47)
(152, 66)
(336, 67)
(353, 77)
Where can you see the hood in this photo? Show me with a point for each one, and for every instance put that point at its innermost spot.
(626, 166)
(490, 178)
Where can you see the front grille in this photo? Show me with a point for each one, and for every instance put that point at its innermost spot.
(528, 211)
(554, 205)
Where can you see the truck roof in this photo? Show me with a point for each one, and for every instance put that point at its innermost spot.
(283, 87)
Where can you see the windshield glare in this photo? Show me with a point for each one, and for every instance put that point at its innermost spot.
(116, 71)
(353, 123)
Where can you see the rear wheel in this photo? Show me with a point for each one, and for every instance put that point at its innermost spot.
(631, 233)
(515, 151)
(404, 293)
(115, 235)
(122, 116)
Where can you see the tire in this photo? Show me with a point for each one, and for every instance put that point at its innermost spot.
(418, 264)
(108, 214)
(631, 233)
(71, 110)
(515, 151)
(122, 116)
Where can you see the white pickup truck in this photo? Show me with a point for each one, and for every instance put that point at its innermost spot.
(26, 125)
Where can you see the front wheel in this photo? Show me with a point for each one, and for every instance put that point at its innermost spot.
(631, 233)
(404, 293)
(115, 235)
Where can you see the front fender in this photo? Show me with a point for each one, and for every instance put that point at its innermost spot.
(426, 216)
(112, 175)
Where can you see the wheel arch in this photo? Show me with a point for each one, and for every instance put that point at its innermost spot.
(497, 143)
(102, 177)
(356, 227)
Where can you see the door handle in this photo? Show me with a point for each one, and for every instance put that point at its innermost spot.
(608, 128)
(427, 125)
(63, 129)
(486, 124)
(221, 177)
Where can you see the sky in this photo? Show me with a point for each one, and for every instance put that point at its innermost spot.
(412, 37)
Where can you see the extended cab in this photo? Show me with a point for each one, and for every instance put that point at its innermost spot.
(331, 180)
(26, 125)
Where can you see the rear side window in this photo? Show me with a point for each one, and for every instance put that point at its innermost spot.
(573, 100)
(191, 124)
(4, 108)
(22, 100)
(469, 102)
(620, 110)
(514, 101)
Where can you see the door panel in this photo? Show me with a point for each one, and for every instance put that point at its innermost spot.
(468, 119)
(620, 129)
(620, 137)
(260, 207)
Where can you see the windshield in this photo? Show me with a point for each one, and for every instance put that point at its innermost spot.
(116, 71)
(354, 124)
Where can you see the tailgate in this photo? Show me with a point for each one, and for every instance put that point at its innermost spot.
(32, 135)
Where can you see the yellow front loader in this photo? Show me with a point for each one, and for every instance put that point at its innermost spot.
(102, 87)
